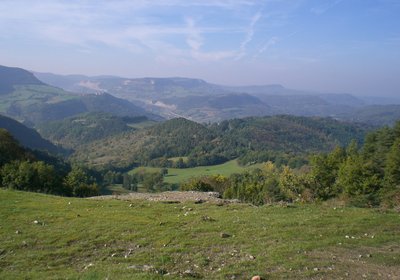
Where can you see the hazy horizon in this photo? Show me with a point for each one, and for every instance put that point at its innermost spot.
(326, 46)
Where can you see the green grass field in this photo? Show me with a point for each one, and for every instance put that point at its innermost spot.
(177, 175)
(48, 237)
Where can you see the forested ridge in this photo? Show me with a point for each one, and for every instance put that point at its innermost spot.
(365, 175)
(85, 128)
(254, 139)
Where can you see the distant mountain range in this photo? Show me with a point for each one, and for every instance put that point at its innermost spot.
(200, 101)
(24, 97)
(42, 97)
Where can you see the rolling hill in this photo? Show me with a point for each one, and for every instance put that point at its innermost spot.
(378, 115)
(88, 127)
(26, 98)
(201, 101)
(252, 139)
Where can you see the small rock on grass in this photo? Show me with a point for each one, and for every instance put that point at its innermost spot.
(225, 235)
(257, 277)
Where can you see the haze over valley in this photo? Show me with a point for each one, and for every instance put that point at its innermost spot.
(211, 139)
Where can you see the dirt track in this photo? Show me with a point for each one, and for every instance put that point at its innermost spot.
(171, 196)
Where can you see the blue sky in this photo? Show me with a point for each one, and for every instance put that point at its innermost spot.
(348, 46)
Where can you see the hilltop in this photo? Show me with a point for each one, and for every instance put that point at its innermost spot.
(12, 76)
(251, 139)
(88, 127)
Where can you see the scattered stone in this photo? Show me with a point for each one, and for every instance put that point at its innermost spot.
(162, 271)
(144, 268)
(257, 277)
(89, 265)
(225, 235)
(113, 255)
(36, 222)
(199, 201)
(131, 205)
(316, 269)
(171, 202)
(252, 257)
(69, 203)
(190, 273)
(364, 275)
(207, 219)
(369, 256)
(17, 232)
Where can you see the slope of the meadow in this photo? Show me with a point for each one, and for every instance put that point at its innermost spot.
(48, 237)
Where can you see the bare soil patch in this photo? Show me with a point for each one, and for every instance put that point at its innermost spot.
(171, 197)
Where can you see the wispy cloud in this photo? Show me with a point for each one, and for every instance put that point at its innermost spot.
(249, 35)
(272, 41)
(194, 38)
(190, 30)
(325, 6)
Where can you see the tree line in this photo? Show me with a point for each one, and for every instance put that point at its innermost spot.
(26, 170)
(367, 175)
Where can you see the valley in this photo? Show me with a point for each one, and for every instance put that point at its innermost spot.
(180, 175)
(261, 180)
(203, 139)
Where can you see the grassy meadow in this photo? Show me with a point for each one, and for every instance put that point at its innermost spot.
(178, 175)
(49, 237)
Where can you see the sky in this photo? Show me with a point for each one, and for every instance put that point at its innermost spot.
(343, 46)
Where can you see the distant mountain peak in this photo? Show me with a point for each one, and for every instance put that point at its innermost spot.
(13, 76)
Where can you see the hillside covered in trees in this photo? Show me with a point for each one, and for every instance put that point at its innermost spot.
(255, 139)
(28, 137)
(366, 175)
(85, 128)
(36, 171)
